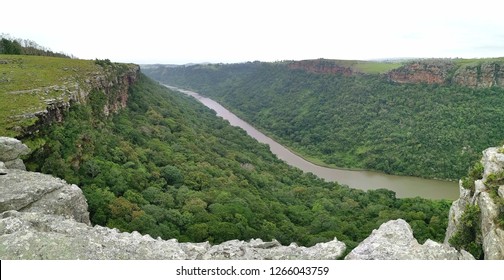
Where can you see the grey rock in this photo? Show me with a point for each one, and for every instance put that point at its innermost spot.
(39, 236)
(31, 235)
(15, 164)
(493, 162)
(11, 149)
(456, 210)
(194, 251)
(36, 192)
(394, 241)
(256, 249)
(493, 236)
(3, 168)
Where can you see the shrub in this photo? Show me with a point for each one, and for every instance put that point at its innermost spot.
(468, 234)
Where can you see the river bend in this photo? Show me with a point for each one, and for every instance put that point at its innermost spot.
(404, 186)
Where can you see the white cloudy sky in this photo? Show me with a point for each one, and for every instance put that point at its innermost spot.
(183, 31)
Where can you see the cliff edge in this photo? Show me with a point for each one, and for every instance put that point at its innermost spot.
(477, 217)
(457, 72)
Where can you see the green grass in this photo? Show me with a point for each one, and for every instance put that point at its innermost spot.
(375, 67)
(369, 67)
(26, 82)
(468, 61)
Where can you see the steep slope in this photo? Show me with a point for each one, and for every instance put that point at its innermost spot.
(38, 90)
(476, 220)
(419, 119)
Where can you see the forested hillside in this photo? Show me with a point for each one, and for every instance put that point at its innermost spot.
(167, 166)
(343, 117)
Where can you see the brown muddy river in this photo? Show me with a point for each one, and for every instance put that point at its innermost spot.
(404, 186)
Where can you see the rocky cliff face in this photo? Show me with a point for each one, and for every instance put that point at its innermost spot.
(113, 82)
(428, 72)
(479, 74)
(321, 66)
(42, 217)
(484, 75)
(488, 197)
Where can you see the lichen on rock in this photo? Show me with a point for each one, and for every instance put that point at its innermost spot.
(484, 197)
(394, 241)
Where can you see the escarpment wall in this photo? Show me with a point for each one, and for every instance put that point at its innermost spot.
(480, 74)
(428, 72)
(114, 82)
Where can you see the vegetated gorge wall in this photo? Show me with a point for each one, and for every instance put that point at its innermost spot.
(113, 82)
(43, 217)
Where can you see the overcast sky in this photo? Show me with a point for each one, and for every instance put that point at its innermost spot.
(184, 31)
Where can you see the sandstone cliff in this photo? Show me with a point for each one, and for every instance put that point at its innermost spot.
(48, 104)
(42, 217)
(477, 74)
(480, 75)
(428, 72)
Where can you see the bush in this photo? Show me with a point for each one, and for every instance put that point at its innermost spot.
(468, 234)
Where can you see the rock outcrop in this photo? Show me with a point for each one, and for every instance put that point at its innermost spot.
(482, 75)
(424, 71)
(479, 74)
(10, 151)
(394, 241)
(40, 193)
(32, 235)
(484, 196)
(113, 82)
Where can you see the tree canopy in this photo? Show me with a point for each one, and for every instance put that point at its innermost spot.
(168, 167)
(357, 121)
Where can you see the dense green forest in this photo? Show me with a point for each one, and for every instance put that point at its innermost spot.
(168, 167)
(357, 121)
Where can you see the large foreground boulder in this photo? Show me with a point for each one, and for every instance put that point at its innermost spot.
(394, 241)
(35, 192)
(11, 150)
(29, 235)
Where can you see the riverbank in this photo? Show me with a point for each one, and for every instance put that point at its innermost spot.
(404, 186)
